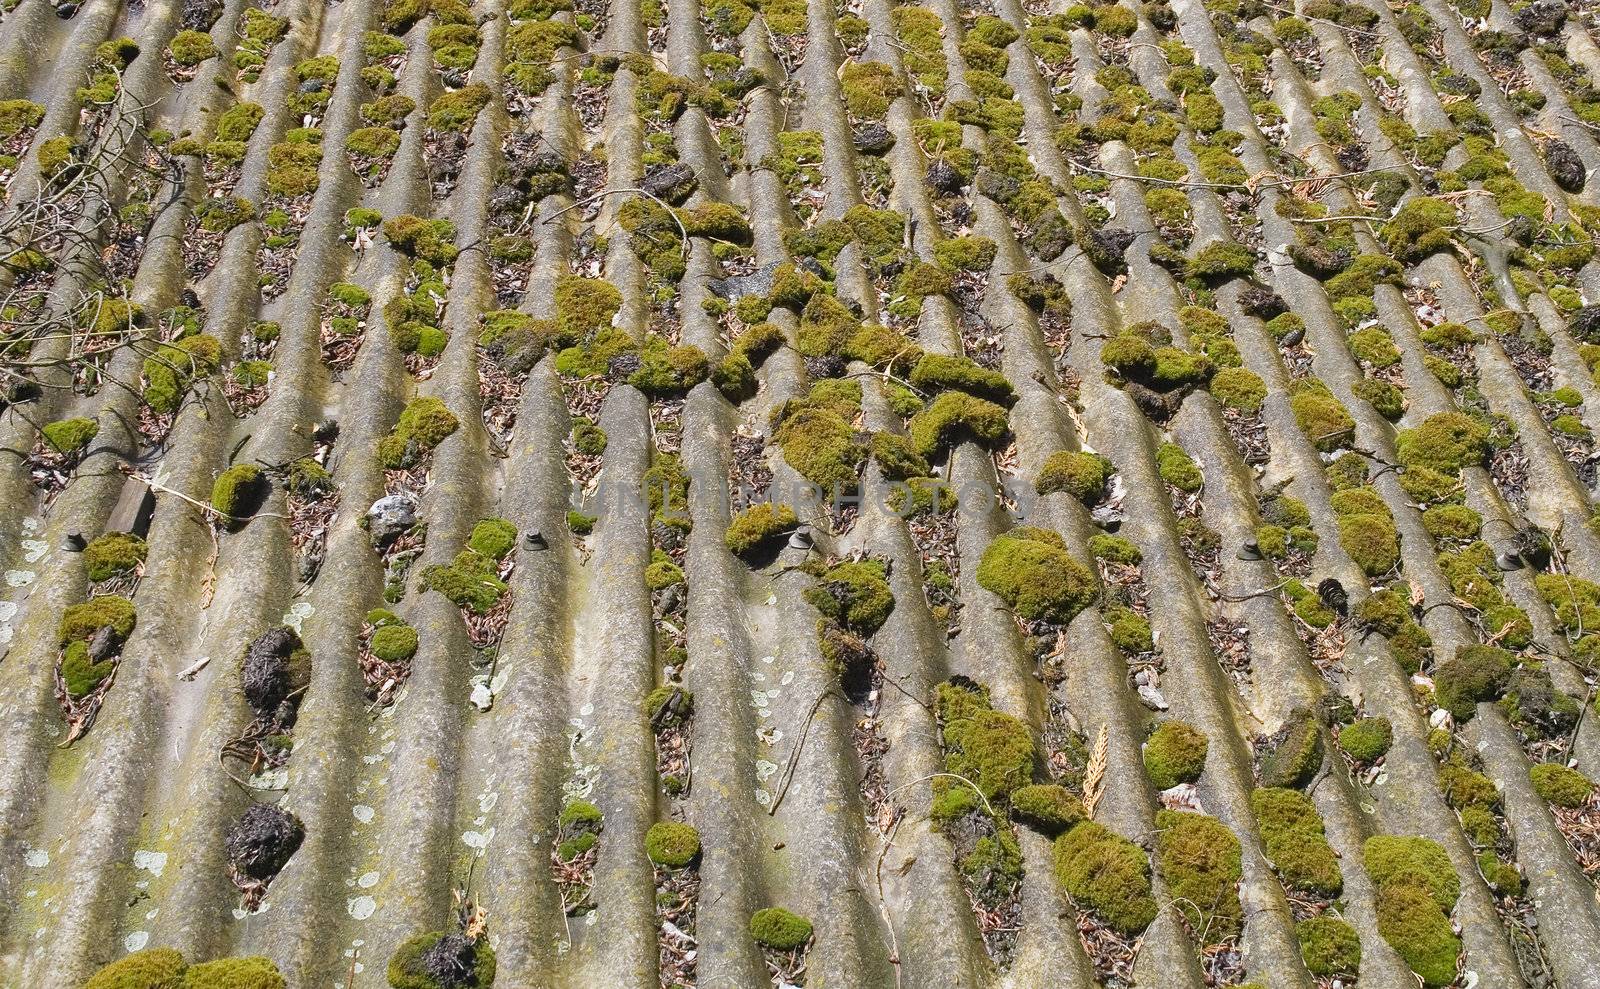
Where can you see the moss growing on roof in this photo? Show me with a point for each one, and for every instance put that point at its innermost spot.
(1367, 739)
(1082, 475)
(80, 622)
(254, 972)
(1175, 753)
(1114, 549)
(173, 368)
(419, 959)
(856, 595)
(189, 48)
(1199, 859)
(470, 581)
(992, 749)
(821, 445)
(1372, 542)
(938, 371)
(586, 305)
(1177, 468)
(869, 88)
(432, 241)
(1329, 947)
(779, 929)
(394, 643)
(1559, 785)
(759, 528)
(1220, 261)
(1400, 860)
(671, 844)
(1297, 754)
(1031, 570)
(80, 674)
(1476, 673)
(1292, 837)
(1129, 630)
(113, 553)
(955, 417)
(1047, 808)
(1240, 389)
(67, 436)
(897, 457)
(1421, 227)
(493, 537)
(424, 424)
(1319, 415)
(238, 492)
(292, 168)
(1445, 442)
(1107, 874)
(152, 968)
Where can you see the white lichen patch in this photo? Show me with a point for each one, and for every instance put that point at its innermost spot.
(36, 858)
(297, 614)
(19, 578)
(363, 813)
(34, 550)
(151, 862)
(361, 907)
(135, 941)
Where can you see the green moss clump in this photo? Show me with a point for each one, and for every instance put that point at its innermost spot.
(239, 122)
(1474, 674)
(992, 749)
(394, 643)
(1082, 475)
(1419, 930)
(80, 622)
(1329, 946)
(1372, 541)
(1452, 523)
(856, 595)
(1325, 422)
(1175, 753)
(586, 305)
(672, 845)
(970, 253)
(1199, 859)
(938, 371)
(407, 967)
(1107, 874)
(1047, 808)
(822, 446)
(1220, 261)
(254, 972)
(494, 538)
(869, 88)
(1297, 756)
(189, 48)
(1292, 836)
(238, 492)
(1239, 388)
(1419, 228)
(1559, 785)
(17, 116)
(956, 417)
(1445, 442)
(1177, 469)
(113, 553)
(1129, 630)
(173, 368)
(432, 241)
(152, 968)
(457, 111)
(1114, 549)
(759, 527)
(779, 929)
(1404, 860)
(68, 436)
(424, 424)
(79, 673)
(897, 457)
(469, 581)
(1367, 739)
(1031, 570)
(292, 168)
